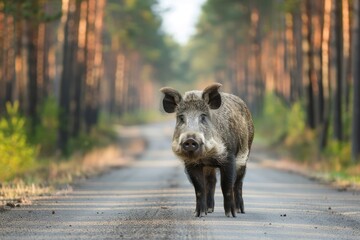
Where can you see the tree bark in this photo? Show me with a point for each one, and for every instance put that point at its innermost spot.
(9, 64)
(2, 88)
(311, 119)
(94, 61)
(68, 75)
(338, 131)
(32, 62)
(299, 54)
(355, 151)
(347, 58)
(325, 73)
(256, 71)
(81, 71)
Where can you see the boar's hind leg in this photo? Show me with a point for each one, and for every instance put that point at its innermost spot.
(210, 178)
(239, 202)
(196, 176)
(228, 173)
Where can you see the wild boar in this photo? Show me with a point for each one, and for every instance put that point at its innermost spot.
(213, 130)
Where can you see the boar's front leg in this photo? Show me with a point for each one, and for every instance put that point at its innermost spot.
(196, 177)
(228, 174)
(210, 181)
(239, 202)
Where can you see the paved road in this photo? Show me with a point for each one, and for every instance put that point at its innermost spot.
(152, 199)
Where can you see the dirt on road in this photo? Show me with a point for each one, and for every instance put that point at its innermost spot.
(151, 198)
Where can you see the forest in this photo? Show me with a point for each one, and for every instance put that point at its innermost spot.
(64, 63)
(68, 67)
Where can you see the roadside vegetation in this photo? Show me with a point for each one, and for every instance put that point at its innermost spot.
(280, 129)
(71, 71)
(31, 165)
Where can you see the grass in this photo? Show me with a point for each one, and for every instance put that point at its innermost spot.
(51, 176)
(22, 193)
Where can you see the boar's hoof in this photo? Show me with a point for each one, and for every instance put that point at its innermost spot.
(200, 213)
(238, 210)
(229, 214)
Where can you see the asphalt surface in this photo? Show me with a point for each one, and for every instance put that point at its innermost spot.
(152, 199)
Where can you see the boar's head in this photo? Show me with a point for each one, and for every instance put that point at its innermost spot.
(197, 112)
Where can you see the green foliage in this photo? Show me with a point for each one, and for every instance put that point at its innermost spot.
(290, 5)
(86, 142)
(16, 154)
(300, 140)
(338, 154)
(224, 26)
(296, 122)
(286, 127)
(46, 131)
(101, 135)
(140, 32)
(344, 177)
(272, 124)
(33, 10)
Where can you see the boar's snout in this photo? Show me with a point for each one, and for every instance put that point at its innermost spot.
(190, 145)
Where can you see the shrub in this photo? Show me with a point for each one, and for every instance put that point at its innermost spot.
(46, 130)
(338, 154)
(300, 140)
(16, 154)
(295, 123)
(272, 123)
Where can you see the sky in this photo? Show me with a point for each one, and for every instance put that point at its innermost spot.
(180, 17)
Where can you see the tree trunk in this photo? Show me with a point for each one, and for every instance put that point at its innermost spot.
(291, 68)
(9, 64)
(318, 23)
(339, 72)
(41, 61)
(2, 60)
(311, 119)
(94, 61)
(119, 82)
(355, 151)
(256, 71)
(81, 71)
(299, 55)
(32, 62)
(347, 58)
(325, 73)
(68, 75)
(20, 64)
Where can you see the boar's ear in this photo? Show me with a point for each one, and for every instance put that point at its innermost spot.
(212, 96)
(171, 99)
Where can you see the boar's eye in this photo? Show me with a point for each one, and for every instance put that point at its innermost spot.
(181, 118)
(203, 118)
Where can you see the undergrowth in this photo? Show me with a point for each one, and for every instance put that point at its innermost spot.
(27, 158)
(284, 129)
(16, 153)
(30, 164)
